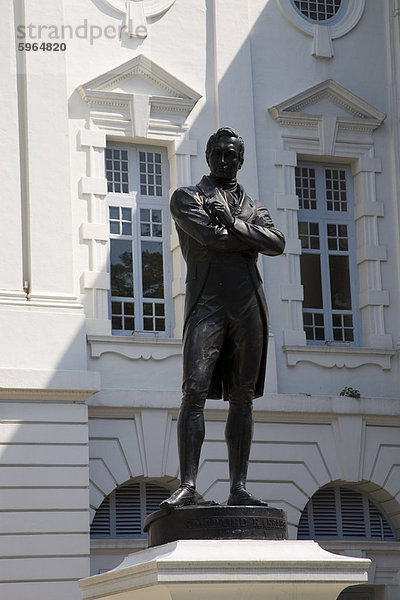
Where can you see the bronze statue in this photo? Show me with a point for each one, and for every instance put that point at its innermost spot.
(221, 231)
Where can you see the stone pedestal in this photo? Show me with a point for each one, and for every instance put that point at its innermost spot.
(228, 570)
(216, 522)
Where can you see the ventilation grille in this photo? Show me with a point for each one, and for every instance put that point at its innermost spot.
(122, 513)
(343, 513)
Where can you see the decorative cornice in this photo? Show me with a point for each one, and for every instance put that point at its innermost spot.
(339, 357)
(142, 67)
(361, 113)
(135, 347)
(173, 99)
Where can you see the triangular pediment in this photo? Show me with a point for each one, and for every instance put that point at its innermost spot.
(328, 99)
(139, 98)
(139, 76)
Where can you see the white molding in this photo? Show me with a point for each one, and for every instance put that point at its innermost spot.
(12, 297)
(160, 116)
(137, 13)
(94, 231)
(362, 116)
(334, 356)
(53, 299)
(166, 110)
(87, 137)
(96, 279)
(343, 130)
(135, 347)
(323, 34)
(93, 185)
(39, 384)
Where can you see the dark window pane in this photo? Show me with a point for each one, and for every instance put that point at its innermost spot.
(129, 308)
(147, 308)
(116, 322)
(114, 212)
(116, 308)
(126, 228)
(340, 282)
(311, 280)
(309, 333)
(152, 270)
(159, 310)
(148, 324)
(114, 227)
(129, 323)
(145, 229)
(307, 318)
(337, 335)
(121, 268)
(160, 325)
(157, 231)
(348, 335)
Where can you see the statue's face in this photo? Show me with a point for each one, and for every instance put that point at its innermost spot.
(224, 161)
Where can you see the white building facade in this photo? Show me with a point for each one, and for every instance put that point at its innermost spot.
(107, 108)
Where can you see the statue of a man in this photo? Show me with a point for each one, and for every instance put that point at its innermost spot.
(221, 231)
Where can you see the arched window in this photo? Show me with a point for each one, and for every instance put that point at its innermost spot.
(121, 514)
(338, 512)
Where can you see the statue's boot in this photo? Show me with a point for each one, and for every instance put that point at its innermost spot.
(238, 435)
(190, 440)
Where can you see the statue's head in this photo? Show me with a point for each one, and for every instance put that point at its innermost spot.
(225, 153)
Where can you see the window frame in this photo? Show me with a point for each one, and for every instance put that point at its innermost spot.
(324, 217)
(137, 201)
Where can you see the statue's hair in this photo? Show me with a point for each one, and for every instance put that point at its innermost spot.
(225, 132)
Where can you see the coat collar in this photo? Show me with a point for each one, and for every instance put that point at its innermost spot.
(207, 187)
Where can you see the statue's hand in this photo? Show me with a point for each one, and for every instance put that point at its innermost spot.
(220, 211)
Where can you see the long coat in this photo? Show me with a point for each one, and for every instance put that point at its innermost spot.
(202, 241)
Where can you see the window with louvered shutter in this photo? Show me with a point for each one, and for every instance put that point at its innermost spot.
(337, 512)
(357, 593)
(122, 513)
(101, 521)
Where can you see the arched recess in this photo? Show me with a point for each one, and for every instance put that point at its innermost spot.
(136, 102)
(129, 445)
(123, 511)
(346, 512)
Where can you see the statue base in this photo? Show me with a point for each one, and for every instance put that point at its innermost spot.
(215, 522)
(228, 570)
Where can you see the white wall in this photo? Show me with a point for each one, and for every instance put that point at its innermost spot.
(305, 436)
